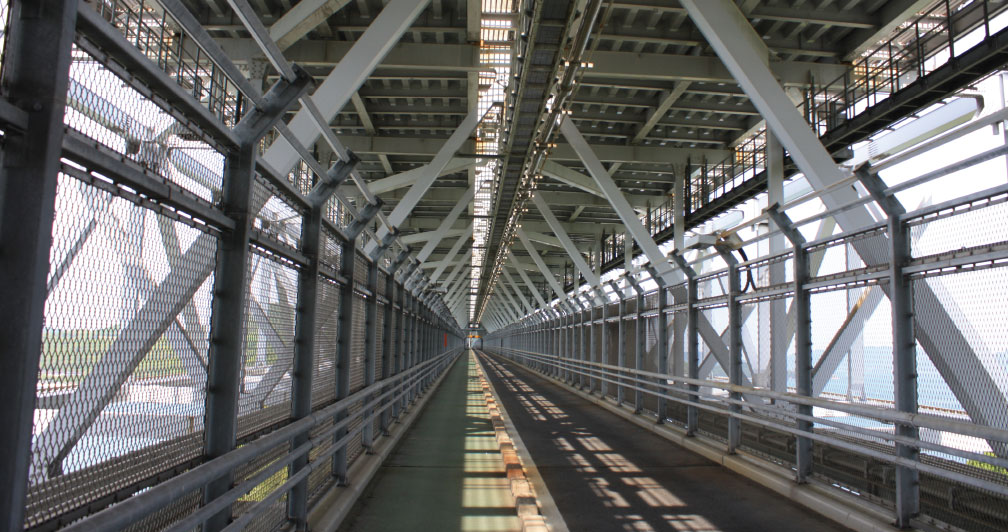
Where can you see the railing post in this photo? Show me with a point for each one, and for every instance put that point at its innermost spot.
(348, 267)
(389, 366)
(36, 76)
(661, 348)
(582, 350)
(400, 348)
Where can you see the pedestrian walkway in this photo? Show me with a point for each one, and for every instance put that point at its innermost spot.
(605, 473)
(447, 474)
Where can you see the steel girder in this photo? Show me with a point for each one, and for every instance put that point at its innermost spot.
(963, 361)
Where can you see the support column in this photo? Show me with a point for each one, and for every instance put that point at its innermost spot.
(621, 348)
(640, 347)
(734, 346)
(661, 349)
(904, 345)
(36, 75)
(389, 365)
(370, 349)
(303, 366)
(776, 308)
(603, 354)
(803, 339)
(592, 349)
(692, 341)
(348, 267)
(227, 346)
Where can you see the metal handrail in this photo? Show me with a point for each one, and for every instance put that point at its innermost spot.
(658, 385)
(143, 504)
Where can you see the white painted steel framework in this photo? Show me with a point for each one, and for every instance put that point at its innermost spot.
(240, 239)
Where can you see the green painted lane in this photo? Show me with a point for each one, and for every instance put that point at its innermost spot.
(447, 473)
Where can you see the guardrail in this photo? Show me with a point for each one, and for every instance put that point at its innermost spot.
(376, 401)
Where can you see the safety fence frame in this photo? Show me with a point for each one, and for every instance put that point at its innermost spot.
(255, 349)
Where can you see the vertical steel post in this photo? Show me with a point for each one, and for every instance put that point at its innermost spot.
(36, 77)
(603, 356)
(370, 348)
(400, 351)
(348, 267)
(227, 324)
(304, 357)
(592, 348)
(640, 348)
(407, 352)
(389, 366)
(904, 344)
(734, 346)
(661, 348)
(582, 349)
(692, 342)
(621, 349)
(303, 366)
(803, 338)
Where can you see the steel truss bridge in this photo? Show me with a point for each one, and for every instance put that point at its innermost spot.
(244, 243)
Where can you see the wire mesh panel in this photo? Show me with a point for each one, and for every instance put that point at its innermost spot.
(326, 342)
(121, 384)
(109, 112)
(277, 218)
(269, 343)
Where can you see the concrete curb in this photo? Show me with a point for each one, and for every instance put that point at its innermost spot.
(521, 472)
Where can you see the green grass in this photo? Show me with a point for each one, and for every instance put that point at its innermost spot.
(988, 467)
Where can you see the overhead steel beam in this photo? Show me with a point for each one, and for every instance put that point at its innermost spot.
(304, 17)
(543, 238)
(431, 172)
(528, 307)
(344, 80)
(427, 147)
(675, 68)
(889, 16)
(528, 282)
(441, 231)
(466, 236)
(615, 196)
(424, 236)
(407, 178)
(518, 310)
(463, 263)
(568, 244)
(410, 58)
(537, 259)
(571, 177)
(657, 114)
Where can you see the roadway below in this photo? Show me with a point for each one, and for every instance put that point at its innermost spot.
(605, 473)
